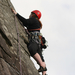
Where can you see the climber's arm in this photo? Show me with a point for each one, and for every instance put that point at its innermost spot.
(29, 23)
(23, 20)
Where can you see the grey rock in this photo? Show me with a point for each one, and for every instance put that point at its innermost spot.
(9, 48)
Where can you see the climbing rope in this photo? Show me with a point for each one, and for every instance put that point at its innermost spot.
(17, 35)
(18, 46)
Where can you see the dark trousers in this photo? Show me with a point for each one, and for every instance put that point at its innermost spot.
(34, 48)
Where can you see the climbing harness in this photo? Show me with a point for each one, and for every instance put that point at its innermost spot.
(18, 47)
(35, 36)
(34, 29)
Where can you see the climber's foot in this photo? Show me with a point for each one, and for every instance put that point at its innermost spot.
(46, 74)
(41, 69)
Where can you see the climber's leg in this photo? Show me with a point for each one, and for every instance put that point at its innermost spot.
(38, 59)
(40, 70)
(44, 72)
(40, 62)
(33, 48)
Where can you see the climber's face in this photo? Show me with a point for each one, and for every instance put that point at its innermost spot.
(30, 15)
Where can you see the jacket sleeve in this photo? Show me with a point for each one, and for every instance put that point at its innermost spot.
(26, 22)
(23, 20)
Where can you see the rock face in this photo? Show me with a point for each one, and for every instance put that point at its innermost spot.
(10, 53)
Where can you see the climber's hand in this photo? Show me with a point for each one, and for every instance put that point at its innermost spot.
(14, 11)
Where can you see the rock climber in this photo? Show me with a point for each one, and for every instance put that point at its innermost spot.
(34, 25)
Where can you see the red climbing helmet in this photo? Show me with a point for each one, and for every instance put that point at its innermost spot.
(38, 13)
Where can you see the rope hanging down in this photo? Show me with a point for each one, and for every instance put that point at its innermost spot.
(18, 47)
(18, 40)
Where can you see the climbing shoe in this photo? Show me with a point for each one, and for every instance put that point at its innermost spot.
(46, 74)
(41, 69)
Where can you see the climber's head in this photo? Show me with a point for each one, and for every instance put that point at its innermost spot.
(36, 14)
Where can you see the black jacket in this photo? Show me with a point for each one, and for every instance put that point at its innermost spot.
(31, 23)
